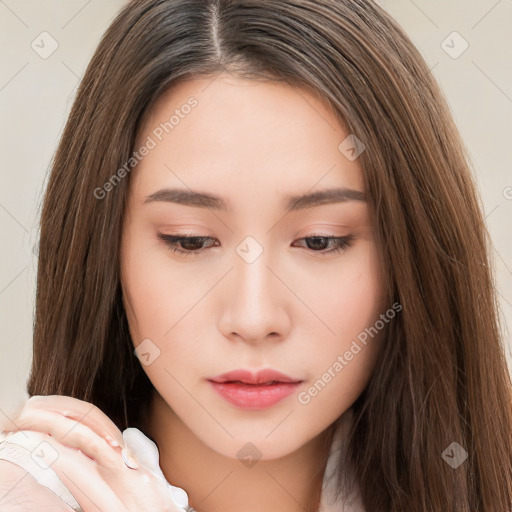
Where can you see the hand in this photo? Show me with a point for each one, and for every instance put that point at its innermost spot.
(88, 446)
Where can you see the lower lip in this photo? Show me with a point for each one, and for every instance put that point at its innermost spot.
(255, 397)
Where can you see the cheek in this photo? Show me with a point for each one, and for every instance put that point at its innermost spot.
(349, 298)
(158, 317)
(159, 291)
(350, 304)
(160, 299)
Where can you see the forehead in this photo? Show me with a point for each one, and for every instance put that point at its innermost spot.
(221, 133)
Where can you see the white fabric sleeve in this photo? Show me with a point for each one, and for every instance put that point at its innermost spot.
(21, 448)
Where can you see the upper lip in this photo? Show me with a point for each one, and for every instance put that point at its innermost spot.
(251, 377)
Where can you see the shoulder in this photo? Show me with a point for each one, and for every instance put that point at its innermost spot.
(20, 490)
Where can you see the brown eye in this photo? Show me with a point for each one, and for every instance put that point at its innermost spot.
(185, 244)
(194, 245)
(318, 244)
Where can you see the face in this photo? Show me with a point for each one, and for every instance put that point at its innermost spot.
(269, 281)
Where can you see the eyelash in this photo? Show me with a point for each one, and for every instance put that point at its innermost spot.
(172, 241)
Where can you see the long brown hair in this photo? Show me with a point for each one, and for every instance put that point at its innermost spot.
(442, 377)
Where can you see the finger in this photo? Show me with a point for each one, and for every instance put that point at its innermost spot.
(78, 473)
(124, 484)
(79, 410)
(72, 434)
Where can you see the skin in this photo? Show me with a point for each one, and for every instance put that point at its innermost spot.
(292, 309)
(84, 448)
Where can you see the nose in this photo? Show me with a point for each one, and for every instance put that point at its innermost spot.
(257, 305)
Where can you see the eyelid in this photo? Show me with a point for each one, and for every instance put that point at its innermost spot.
(172, 242)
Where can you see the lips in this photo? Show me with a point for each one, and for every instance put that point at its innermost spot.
(254, 391)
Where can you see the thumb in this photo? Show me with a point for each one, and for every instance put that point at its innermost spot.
(146, 453)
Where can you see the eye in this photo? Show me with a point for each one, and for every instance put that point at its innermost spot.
(190, 245)
(194, 245)
(339, 243)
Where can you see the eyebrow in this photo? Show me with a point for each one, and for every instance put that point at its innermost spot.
(292, 203)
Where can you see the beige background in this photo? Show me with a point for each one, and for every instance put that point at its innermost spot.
(36, 94)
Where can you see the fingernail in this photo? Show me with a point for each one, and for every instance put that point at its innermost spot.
(112, 442)
(129, 459)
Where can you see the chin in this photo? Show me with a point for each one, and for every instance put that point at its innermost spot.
(256, 444)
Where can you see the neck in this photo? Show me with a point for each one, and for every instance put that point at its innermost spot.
(217, 483)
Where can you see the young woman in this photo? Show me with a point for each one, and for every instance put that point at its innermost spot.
(262, 250)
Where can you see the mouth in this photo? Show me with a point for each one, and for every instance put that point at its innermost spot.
(254, 391)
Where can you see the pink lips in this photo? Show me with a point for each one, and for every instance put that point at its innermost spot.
(255, 391)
